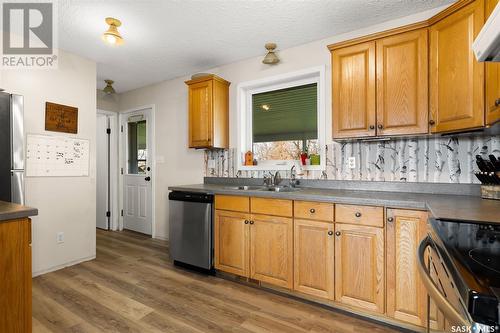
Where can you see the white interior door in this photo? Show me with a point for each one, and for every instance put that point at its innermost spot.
(137, 176)
(102, 174)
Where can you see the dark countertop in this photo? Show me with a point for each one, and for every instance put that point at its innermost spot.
(441, 206)
(12, 211)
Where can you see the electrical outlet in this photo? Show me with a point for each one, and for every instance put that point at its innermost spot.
(60, 237)
(352, 162)
(211, 164)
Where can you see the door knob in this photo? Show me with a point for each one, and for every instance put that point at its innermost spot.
(390, 219)
(330, 233)
(147, 179)
(497, 102)
(372, 127)
(432, 122)
(251, 222)
(312, 210)
(380, 126)
(358, 214)
(337, 233)
(246, 221)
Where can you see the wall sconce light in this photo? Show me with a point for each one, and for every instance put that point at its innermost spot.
(109, 90)
(112, 35)
(271, 58)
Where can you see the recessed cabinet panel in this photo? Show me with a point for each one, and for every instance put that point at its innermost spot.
(456, 78)
(359, 267)
(402, 84)
(354, 91)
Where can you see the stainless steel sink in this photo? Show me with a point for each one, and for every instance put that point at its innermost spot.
(281, 189)
(247, 188)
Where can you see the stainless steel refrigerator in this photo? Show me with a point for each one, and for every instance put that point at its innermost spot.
(11, 148)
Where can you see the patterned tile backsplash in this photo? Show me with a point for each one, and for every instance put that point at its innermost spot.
(429, 159)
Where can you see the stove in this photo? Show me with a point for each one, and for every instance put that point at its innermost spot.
(470, 258)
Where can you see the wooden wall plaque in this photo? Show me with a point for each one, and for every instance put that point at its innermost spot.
(61, 118)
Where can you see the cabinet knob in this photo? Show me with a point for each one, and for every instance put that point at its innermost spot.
(497, 102)
(312, 210)
(372, 127)
(380, 126)
(358, 214)
(337, 233)
(390, 219)
(251, 222)
(246, 221)
(432, 122)
(330, 233)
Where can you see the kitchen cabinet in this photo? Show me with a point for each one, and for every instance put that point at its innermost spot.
(232, 242)
(361, 215)
(208, 112)
(15, 276)
(457, 98)
(359, 267)
(353, 73)
(314, 258)
(271, 250)
(406, 294)
(402, 83)
(492, 80)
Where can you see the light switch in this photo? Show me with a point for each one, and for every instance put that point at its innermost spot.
(352, 162)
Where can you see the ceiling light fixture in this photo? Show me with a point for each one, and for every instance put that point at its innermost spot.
(112, 35)
(109, 90)
(265, 107)
(271, 58)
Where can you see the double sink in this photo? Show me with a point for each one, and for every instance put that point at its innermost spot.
(265, 188)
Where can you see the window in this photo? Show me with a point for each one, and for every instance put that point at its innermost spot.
(281, 118)
(137, 148)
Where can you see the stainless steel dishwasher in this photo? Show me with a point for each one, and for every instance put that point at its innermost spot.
(191, 241)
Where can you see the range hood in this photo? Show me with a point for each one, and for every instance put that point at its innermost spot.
(486, 47)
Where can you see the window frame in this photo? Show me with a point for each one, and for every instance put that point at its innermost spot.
(245, 126)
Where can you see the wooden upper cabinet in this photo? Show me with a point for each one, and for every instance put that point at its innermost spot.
(314, 258)
(457, 99)
(208, 112)
(232, 242)
(406, 294)
(402, 84)
(353, 73)
(271, 250)
(492, 80)
(359, 267)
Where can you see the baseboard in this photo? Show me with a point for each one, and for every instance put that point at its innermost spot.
(160, 238)
(58, 267)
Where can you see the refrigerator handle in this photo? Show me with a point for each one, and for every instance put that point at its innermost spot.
(17, 132)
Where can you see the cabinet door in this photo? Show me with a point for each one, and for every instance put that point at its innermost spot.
(456, 78)
(353, 73)
(406, 295)
(492, 81)
(271, 250)
(200, 114)
(231, 242)
(314, 258)
(359, 266)
(402, 84)
(15, 276)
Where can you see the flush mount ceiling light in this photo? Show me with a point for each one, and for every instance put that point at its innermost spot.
(112, 35)
(265, 107)
(271, 58)
(109, 90)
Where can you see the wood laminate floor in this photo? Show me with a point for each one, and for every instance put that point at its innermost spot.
(132, 287)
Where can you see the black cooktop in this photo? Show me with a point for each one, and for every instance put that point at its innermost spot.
(474, 252)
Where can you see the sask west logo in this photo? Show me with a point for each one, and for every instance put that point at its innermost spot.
(28, 38)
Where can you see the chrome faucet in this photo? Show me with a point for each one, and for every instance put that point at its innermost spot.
(277, 178)
(272, 179)
(293, 177)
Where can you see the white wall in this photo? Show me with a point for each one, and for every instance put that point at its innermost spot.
(185, 166)
(65, 204)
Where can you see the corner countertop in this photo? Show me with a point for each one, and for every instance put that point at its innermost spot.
(441, 206)
(12, 211)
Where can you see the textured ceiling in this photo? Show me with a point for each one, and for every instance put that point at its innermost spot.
(166, 39)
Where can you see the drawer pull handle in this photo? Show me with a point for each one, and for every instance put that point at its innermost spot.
(390, 219)
(246, 221)
(337, 233)
(330, 233)
(312, 210)
(358, 214)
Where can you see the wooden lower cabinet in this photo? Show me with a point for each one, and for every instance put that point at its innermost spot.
(15, 276)
(359, 267)
(314, 258)
(271, 250)
(406, 295)
(231, 242)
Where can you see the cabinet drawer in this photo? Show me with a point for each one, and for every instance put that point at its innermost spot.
(234, 203)
(276, 207)
(362, 215)
(322, 211)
